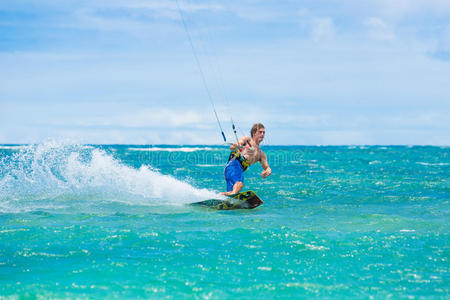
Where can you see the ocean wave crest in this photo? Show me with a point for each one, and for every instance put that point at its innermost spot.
(172, 149)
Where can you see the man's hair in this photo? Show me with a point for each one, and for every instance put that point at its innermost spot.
(255, 128)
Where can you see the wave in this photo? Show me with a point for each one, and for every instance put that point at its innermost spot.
(181, 149)
(56, 175)
(432, 164)
(207, 165)
(12, 147)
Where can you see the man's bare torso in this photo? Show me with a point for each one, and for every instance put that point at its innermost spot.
(252, 153)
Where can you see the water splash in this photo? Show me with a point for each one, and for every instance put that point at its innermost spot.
(63, 175)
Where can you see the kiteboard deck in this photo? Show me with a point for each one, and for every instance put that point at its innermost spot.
(244, 200)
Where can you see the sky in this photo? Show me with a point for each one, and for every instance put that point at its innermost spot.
(314, 72)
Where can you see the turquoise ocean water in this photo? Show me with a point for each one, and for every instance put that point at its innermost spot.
(83, 221)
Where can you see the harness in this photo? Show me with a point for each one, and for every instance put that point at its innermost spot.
(236, 154)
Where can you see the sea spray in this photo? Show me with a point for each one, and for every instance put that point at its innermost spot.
(54, 174)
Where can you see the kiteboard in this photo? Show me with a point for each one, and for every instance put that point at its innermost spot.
(244, 200)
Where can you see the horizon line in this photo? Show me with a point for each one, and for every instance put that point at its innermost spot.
(218, 145)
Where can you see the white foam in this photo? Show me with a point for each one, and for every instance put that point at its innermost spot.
(53, 175)
(432, 164)
(181, 149)
(207, 165)
(12, 147)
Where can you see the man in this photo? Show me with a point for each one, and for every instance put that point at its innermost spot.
(245, 153)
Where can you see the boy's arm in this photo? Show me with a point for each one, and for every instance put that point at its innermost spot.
(267, 170)
(242, 141)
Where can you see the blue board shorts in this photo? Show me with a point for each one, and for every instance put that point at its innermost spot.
(233, 173)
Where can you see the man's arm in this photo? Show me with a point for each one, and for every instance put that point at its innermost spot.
(242, 141)
(267, 170)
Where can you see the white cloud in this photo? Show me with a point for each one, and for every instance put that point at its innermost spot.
(158, 117)
(378, 29)
(343, 137)
(161, 5)
(322, 28)
(313, 120)
(86, 18)
(441, 49)
(434, 120)
(319, 28)
(402, 8)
